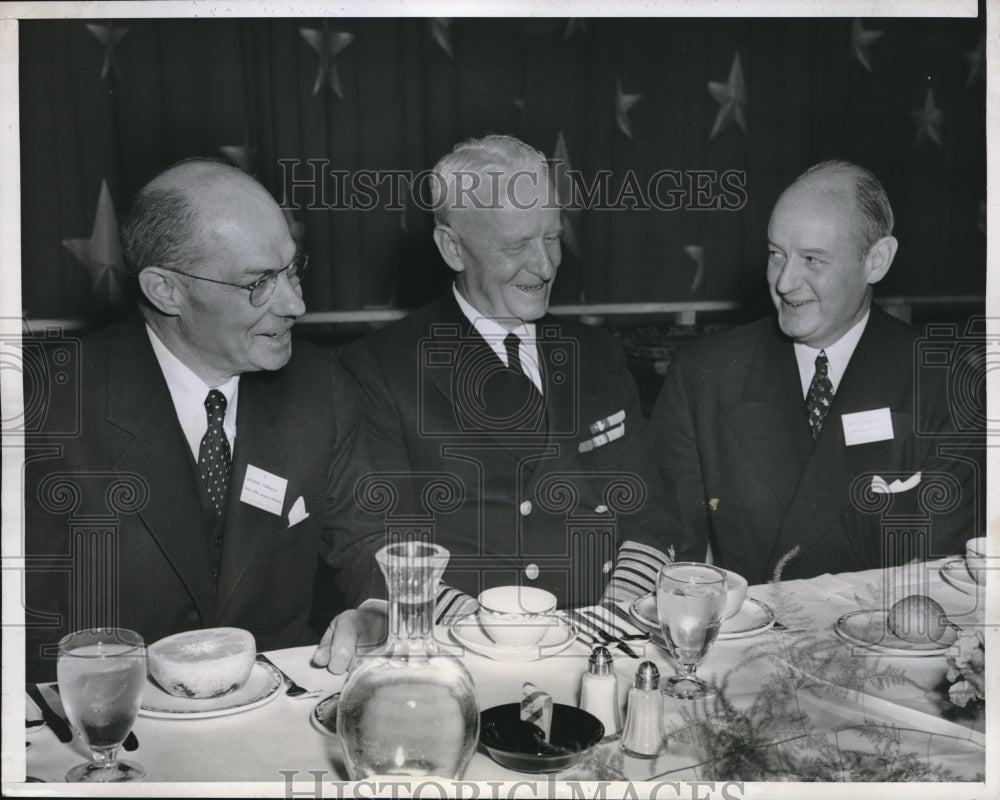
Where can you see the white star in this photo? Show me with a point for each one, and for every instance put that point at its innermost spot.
(623, 104)
(697, 254)
(929, 120)
(440, 33)
(109, 36)
(328, 45)
(731, 97)
(976, 59)
(101, 253)
(861, 40)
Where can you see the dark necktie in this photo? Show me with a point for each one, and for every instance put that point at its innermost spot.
(214, 461)
(513, 345)
(820, 394)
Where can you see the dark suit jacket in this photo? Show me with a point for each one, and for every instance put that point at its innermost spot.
(731, 434)
(116, 530)
(511, 506)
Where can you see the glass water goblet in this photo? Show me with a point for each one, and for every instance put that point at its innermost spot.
(101, 675)
(690, 601)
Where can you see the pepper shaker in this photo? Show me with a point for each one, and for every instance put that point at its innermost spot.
(599, 691)
(643, 735)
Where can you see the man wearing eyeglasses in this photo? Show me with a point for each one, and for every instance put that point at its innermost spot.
(220, 463)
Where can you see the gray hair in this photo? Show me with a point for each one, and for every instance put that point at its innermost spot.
(875, 213)
(483, 159)
(161, 227)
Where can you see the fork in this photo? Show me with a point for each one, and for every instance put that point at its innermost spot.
(293, 690)
(586, 621)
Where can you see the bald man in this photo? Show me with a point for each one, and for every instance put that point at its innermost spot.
(809, 440)
(219, 463)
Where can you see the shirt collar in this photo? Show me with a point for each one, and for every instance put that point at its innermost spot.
(188, 393)
(838, 355)
(492, 331)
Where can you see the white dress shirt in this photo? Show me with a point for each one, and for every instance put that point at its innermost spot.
(494, 333)
(838, 355)
(188, 392)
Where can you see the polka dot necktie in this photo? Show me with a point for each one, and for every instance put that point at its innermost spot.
(820, 394)
(214, 460)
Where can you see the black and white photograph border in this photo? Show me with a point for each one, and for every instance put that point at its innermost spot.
(14, 325)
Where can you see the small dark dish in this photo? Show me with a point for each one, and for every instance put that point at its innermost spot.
(518, 745)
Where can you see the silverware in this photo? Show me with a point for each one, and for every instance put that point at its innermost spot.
(57, 724)
(131, 741)
(293, 690)
(588, 620)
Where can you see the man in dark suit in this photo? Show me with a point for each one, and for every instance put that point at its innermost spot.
(511, 438)
(211, 465)
(809, 441)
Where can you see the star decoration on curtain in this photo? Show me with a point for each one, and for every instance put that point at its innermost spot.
(242, 155)
(623, 104)
(574, 25)
(328, 45)
(731, 97)
(565, 191)
(976, 59)
(697, 254)
(929, 120)
(109, 36)
(861, 40)
(101, 253)
(296, 229)
(441, 34)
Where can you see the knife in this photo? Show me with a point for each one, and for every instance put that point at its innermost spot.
(130, 743)
(57, 724)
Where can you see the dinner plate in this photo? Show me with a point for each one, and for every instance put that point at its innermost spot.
(868, 629)
(753, 617)
(261, 687)
(468, 632)
(955, 573)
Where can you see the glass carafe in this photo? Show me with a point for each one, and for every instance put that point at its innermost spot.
(410, 707)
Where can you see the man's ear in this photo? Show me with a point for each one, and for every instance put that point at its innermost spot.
(879, 258)
(161, 288)
(449, 246)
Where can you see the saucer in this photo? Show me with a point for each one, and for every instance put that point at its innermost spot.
(956, 574)
(261, 687)
(753, 617)
(869, 629)
(468, 632)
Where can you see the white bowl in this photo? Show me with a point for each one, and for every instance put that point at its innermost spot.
(516, 616)
(736, 593)
(204, 663)
(975, 558)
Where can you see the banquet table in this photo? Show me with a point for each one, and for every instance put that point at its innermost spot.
(280, 741)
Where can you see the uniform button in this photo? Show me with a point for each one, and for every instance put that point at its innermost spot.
(525, 508)
(215, 575)
(218, 541)
(601, 509)
(531, 571)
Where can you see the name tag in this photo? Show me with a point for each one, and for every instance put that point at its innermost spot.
(263, 490)
(863, 427)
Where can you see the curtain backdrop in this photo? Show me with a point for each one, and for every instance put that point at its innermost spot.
(105, 104)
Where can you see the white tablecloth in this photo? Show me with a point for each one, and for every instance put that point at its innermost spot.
(279, 741)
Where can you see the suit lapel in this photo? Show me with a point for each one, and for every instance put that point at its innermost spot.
(769, 419)
(874, 378)
(140, 404)
(258, 443)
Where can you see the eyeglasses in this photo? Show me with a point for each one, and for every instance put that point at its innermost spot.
(262, 288)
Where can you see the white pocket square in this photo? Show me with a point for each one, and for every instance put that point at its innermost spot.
(297, 513)
(879, 486)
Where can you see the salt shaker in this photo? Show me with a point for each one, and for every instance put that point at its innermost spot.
(599, 691)
(643, 734)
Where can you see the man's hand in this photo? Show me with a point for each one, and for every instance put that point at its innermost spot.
(365, 625)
